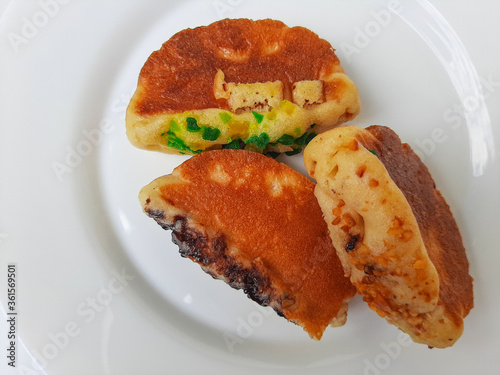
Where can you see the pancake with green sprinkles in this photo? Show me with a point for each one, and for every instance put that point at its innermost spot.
(238, 83)
(255, 224)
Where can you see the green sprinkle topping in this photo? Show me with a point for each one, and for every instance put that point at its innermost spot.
(373, 152)
(294, 152)
(258, 116)
(177, 143)
(301, 141)
(233, 144)
(297, 130)
(310, 137)
(286, 140)
(210, 134)
(192, 125)
(260, 141)
(225, 117)
(304, 139)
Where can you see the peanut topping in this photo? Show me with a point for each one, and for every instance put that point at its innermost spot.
(407, 235)
(348, 220)
(397, 232)
(382, 261)
(397, 222)
(363, 250)
(353, 145)
(361, 171)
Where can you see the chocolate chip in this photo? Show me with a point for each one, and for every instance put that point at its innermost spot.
(156, 214)
(352, 243)
(211, 254)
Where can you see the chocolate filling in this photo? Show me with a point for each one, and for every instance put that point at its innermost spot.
(211, 254)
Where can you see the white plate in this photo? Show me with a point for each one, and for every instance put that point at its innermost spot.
(100, 287)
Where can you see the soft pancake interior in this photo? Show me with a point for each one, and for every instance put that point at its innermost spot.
(393, 231)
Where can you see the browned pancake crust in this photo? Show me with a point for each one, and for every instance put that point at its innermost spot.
(438, 228)
(256, 224)
(180, 76)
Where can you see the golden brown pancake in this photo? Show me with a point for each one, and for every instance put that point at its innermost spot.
(256, 224)
(393, 231)
(239, 83)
